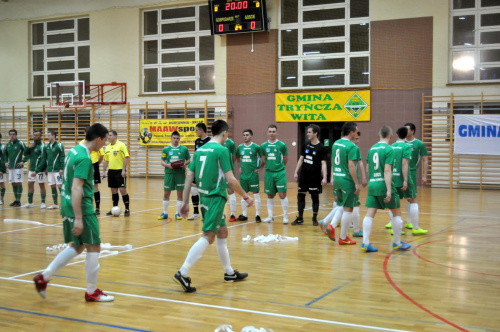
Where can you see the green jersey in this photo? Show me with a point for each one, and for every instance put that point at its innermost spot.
(379, 155)
(417, 150)
(14, 153)
(343, 150)
(249, 159)
(55, 156)
(229, 144)
(274, 154)
(170, 154)
(2, 158)
(78, 165)
(210, 163)
(37, 157)
(401, 151)
(358, 158)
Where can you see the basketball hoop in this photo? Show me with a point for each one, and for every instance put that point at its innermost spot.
(61, 107)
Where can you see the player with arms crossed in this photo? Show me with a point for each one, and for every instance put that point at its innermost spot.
(210, 168)
(175, 176)
(312, 168)
(14, 151)
(248, 154)
(37, 156)
(3, 171)
(382, 193)
(55, 165)
(274, 155)
(80, 225)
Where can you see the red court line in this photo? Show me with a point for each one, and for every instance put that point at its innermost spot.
(400, 291)
(447, 266)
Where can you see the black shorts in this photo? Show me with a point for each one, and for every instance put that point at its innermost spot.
(311, 184)
(115, 179)
(97, 174)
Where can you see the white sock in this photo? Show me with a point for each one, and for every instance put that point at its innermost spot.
(355, 219)
(414, 215)
(194, 255)
(91, 271)
(61, 260)
(270, 207)
(224, 255)
(330, 215)
(179, 205)
(232, 203)
(397, 227)
(284, 206)
(244, 207)
(408, 215)
(391, 216)
(335, 204)
(165, 206)
(337, 217)
(258, 203)
(367, 229)
(344, 224)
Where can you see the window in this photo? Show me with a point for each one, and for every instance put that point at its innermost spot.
(324, 43)
(60, 51)
(177, 50)
(475, 41)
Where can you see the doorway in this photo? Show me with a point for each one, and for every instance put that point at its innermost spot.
(329, 133)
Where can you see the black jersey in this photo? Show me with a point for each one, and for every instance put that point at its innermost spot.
(200, 142)
(313, 155)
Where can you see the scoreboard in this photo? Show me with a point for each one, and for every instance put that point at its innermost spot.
(237, 16)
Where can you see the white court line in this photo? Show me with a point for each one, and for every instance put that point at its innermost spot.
(26, 229)
(211, 306)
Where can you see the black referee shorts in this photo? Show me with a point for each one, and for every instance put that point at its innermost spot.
(97, 173)
(115, 179)
(310, 183)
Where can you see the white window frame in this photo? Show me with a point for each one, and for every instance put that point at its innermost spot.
(45, 47)
(477, 11)
(196, 49)
(346, 55)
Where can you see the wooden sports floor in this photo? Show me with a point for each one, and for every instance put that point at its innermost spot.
(449, 280)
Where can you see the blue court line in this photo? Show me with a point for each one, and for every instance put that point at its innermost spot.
(72, 319)
(332, 291)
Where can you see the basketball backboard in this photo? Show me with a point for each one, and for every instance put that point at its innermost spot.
(69, 94)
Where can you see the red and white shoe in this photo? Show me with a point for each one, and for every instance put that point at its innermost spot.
(346, 241)
(98, 296)
(40, 285)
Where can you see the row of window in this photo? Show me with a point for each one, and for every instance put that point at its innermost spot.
(322, 43)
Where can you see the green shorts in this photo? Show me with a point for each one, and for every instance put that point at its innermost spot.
(212, 210)
(250, 183)
(275, 182)
(411, 191)
(90, 233)
(174, 181)
(377, 202)
(346, 198)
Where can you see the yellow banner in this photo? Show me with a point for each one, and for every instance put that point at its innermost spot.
(159, 131)
(323, 106)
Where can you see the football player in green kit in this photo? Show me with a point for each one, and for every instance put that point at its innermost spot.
(229, 144)
(210, 169)
(13, 158)
(382, 193)
(37, 156)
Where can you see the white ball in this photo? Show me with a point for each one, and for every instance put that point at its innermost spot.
(116, 211)
(294, 143)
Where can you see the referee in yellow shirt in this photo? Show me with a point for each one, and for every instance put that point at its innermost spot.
(116, 157)
(96, 157)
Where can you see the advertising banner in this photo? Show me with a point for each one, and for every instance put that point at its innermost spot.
(159, 131)
(477, 134)
(323, 106)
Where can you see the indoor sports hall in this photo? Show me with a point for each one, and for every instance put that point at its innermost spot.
(146, 68)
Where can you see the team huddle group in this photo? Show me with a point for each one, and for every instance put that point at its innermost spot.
(209, 177)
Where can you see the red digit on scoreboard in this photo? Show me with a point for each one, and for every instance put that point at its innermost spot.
(252, 25)
(228, 6)
(221, 27)
(245, 4)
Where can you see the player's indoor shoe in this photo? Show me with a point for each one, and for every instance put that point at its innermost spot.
(127, 213)
(392, 232)
(43, 206)
(232, 218)
(28, 205)
(346, 241)
(98, 296)
(357, 234)
(389, 225)
(40, 285)
(163, 216)
(315, 222)
(409, 225)
(193, 216)
(257, 219)
(298, 221)
(53, 207)
(242, 218)
(268, 219)
(178, 216)
(285, 220)
(330, 231)
(402, 247)
(322, 226)
(236, 276)
(419, 231)
(368, 248)
(185, 282)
